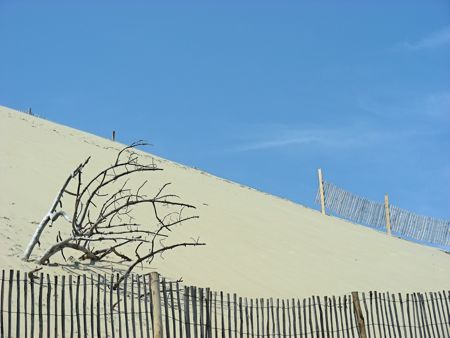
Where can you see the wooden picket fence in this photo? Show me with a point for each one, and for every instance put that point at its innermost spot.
(144, 306)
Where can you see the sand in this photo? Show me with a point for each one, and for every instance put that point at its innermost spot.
(258, 245)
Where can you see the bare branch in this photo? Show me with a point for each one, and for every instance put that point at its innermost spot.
(103, 219)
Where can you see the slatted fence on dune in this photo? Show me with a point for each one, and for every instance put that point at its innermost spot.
(404, 224)
(88, 306)
(74, 306)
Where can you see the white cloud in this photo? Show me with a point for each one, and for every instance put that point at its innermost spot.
(281, 141)
(436, 39)
(339, 138)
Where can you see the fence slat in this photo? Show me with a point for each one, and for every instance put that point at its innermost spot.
(409, 316)
(284, 317)
(241, 321)
(203, 314)
(77, 305)
(92, 305)
(261, 303)
(55, 280)
(179, 310)
(336, 317)
(246, 318)
(251, 318)
(431, 297)
(272, 311)
(424, 313)
(25, 302)
(403, 314)
(377, 312)
(146, 301)
(32, 278)
(152, 319)
(257, 317)
(41, 277)
(119, 317)
(49, 291)
(105, 304)
(372, 320)
(277, 319)
(305, 322)
(366, 311)
(216, 329)
(186, 312)
(325, 308)
(71, 306)
(111, 306)
(222, 316)
(125, 307)
(394, 304)
(166, 308)
(40, 315)
(385, 314)
(194, 310)
(416, 315)
(63, 305)
(2, 293)
(341, 316)
(133, 316)
(141, 330)
(11, 279)
(208, 303)
(85, 297)
(98, 314)
(229, 315)
(18, 304)
(330, 307)
(172, 306)
(347, 326)
(427, 302)
(235, 315)
(321, 319)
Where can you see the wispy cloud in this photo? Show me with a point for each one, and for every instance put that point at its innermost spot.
(436, 39)
(280, 141)
(343, 138)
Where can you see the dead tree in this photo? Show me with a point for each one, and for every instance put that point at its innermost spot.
(101, 216)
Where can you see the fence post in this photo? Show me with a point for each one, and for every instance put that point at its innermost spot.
(156, 305)
(359, 315)
(388, 214)
(114, 135)
(322, 196)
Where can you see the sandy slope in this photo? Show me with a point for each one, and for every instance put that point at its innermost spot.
(257, 244)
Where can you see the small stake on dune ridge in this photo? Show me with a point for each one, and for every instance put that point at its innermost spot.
(114, 135)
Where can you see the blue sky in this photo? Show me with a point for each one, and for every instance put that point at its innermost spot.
(262, 93)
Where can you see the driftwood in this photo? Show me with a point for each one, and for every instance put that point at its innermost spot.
(102, 222)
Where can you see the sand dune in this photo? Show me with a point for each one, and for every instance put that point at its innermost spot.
(257, 244)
